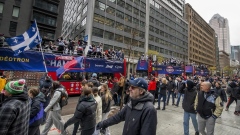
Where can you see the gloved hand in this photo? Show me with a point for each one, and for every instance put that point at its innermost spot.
(100, 126)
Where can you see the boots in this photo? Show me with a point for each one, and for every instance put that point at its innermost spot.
(158, 108)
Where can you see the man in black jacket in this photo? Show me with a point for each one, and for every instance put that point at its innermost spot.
(139, 114)
(170, 87)
(190, 93)
(209, 107)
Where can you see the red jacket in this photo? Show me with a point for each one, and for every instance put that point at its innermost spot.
(152, 85)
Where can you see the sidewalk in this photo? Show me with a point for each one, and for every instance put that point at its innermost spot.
(170, 122)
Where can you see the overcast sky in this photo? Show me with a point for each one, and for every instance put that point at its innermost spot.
(227, 9)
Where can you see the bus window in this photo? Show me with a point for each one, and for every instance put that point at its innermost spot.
(72, 76)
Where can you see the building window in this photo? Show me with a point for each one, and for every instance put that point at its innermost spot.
(119, 26)
(119, 14)
(84, 21)
(109, 22)
(15, 12)
(121, 3)
(97, 32)
(41, 18)
(84, 10)
(99, 18)
(129, 7)
(1, 8)
(128, 18)
(13, 26)
(110, 10)
(46, 5)
(127, 29)
(118, 38)
(127, 40)
(109, 35)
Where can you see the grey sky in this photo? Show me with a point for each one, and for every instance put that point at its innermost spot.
(227, 9)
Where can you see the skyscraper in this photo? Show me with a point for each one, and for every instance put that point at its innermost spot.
(220, 25)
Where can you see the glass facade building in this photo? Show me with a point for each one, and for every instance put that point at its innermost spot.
(120, 24)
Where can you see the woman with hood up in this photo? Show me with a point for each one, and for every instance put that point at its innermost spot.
(190, 93)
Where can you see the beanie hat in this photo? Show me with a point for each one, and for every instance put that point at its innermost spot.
(15, 87)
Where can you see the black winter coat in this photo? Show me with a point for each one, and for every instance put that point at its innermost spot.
(188, 100)
(163, 90)
(85, 113)
(171, 86)
(140, 117)
(221, 92)
(37, 109)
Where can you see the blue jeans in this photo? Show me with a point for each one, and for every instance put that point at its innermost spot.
(186, 118)
(159, 100)
(179, 97)
(170, 93)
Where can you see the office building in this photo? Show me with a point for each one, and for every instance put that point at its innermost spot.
(201, 39)
(16, 17)
(221, 27)
(130, 25)
(235, 52)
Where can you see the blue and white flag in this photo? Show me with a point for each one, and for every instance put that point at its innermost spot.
(26, 41)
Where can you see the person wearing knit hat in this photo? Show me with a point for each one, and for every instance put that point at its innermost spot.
(15, 87)
(17, 102)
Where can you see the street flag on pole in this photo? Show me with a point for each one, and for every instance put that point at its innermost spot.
(26, 41)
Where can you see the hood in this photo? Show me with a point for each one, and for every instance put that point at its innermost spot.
(190, 85)
(40, 97)
(23, 97)
(87, 98)
(146, 97)
(232, 84)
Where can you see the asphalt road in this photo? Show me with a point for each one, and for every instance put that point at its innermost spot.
(70, 108)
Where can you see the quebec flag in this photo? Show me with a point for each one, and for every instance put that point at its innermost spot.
(26, 41)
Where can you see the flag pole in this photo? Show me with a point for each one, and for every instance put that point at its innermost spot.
(44, 63)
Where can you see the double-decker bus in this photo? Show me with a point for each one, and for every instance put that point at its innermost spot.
(32, 61)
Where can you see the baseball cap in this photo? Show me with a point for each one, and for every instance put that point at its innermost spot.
(94, 75)
(139, 82)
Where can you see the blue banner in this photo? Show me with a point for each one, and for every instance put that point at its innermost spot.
(202, 72)
(163, 69)
(142, 65)
(189, 69)
(33, 61)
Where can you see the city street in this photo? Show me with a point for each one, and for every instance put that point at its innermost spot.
(170, 122)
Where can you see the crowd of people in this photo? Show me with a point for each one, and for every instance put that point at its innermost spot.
(201, 96)
(72, 47)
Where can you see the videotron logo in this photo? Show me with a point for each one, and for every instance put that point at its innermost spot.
(170, 69)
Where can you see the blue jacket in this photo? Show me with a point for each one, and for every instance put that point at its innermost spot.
(36, 113)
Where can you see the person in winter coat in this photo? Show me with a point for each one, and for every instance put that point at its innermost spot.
(94, 80)
(232, 85)
(106, 103)
(180, 85)
(152, 87)
(36, 114)
(139, 114)
(162, 93)
(190, 92)
(45, 88)
(99, 108)
(209, 107)
(236, 94)
(85, 113)
(114, 91)
(54, 116)
(171, 87)
(15, 109)
(220, 92)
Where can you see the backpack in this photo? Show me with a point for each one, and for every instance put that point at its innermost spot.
(63, 101)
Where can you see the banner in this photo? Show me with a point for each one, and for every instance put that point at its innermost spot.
(163, 69)
(189, 69)
(142, 65)
(202, 72)
(32, 61)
